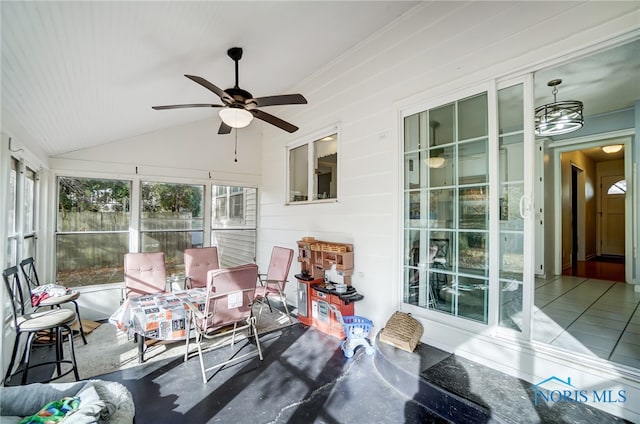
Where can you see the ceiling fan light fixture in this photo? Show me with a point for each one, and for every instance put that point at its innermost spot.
(235, 117)
(436, 162)
(558, 117)
(613, 148)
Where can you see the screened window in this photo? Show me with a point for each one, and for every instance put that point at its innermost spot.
(313, 170)
(29, 217)
(446, 203)
(21, 229)
(171, 220)
(12, 214)
(234, 224)
(92, 230)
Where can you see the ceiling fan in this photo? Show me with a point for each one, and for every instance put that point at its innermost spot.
(239, 107)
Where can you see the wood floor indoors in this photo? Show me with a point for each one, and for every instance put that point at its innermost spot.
(602, 268)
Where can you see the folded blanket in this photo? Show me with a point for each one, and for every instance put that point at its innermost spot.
(50, 289)
(53, 412)
(37, 298)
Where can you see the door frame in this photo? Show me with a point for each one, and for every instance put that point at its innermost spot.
(624, 137)
(577, 214)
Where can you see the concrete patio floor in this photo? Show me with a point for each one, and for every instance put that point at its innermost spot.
(305, 378)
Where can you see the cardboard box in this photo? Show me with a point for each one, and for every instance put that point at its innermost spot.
(402, 331)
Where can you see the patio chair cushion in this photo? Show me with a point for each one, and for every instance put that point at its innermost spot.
(44, 320)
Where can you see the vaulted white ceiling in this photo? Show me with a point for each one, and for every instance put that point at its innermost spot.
(79, 74)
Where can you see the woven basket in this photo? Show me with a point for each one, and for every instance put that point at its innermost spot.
(402, 331)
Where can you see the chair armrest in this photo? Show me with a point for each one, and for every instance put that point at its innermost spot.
(277, 282)
(194, 309)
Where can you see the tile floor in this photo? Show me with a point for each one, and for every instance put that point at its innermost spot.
(589, 316)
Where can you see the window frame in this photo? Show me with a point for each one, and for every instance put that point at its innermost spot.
(173, 269)
(309, 141)
(134, 230)
(456, 271)
(13, 213)
(30, 226)
(21, 167)
(428, 103)
(233, 192)
(57, 232)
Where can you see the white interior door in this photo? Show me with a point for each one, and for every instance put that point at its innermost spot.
(612, 201)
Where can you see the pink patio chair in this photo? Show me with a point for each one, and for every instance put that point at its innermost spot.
(274, 281)
(197, 263)
(144, 273)
(229, 301)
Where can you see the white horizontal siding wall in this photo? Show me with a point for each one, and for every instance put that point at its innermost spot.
(434, 50)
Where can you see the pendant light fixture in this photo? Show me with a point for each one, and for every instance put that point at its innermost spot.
(436, 156)
(558, 117)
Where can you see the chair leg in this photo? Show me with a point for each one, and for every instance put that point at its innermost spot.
(140, 340)
(199, 342)
(283, 299)
(233, 333)
(266, 298)
(261, 306)
(25, 361)
(255, 334)
(59, 345)
(262, 300)
(73, 354)
(84, 339)
(188, 329)
(7, 377)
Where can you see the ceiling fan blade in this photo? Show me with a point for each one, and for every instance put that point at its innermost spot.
(185, 106)
(285, 99)
(224, 128)
(206, 84)
(273, 120)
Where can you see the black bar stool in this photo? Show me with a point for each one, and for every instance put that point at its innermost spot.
(30, 323)
(28, 267)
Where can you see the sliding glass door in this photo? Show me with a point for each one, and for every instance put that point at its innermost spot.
(465, 207)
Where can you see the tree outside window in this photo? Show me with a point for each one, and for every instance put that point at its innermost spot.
(171, 220)
(92, 230)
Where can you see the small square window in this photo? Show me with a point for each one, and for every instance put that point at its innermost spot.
(313, 169)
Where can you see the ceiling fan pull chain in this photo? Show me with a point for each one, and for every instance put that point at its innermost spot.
(235, 151)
